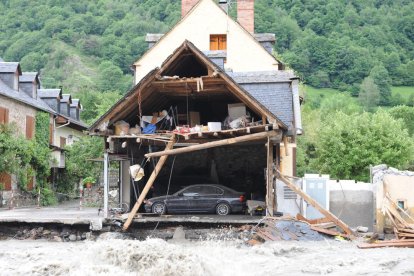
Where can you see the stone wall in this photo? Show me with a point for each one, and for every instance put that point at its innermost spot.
(17, 113)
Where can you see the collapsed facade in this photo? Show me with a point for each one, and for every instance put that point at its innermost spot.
(215, 95)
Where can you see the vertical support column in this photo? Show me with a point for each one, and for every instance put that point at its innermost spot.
(106, 184)
(125, 182)
(270, 192)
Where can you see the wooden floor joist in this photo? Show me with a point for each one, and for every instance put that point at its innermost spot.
(224, 142)
(317, 206)
(147, 187)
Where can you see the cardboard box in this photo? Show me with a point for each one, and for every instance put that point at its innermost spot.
(236, 110)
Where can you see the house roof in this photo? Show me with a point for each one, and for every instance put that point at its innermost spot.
(259, 103)
(49, 93)
(265, 37)
(262, 76)
(6, 91)
(75, 103)
(9, 67)
(28, 77)
(66, 98)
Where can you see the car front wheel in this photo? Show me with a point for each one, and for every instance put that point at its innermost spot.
(223, 209)
(158, 208)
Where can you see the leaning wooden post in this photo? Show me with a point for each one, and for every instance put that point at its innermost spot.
(317, 206)
(147, 187)
(269, 179)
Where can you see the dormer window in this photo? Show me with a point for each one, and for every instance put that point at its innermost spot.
(218, 42)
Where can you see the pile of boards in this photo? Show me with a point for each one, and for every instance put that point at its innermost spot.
(287, 228)
(403, 225)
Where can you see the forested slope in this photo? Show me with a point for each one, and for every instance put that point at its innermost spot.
(90, 45)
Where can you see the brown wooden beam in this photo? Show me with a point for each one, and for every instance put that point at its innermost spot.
(317, 206)
(230, 141)
(270, 193)
(147, 187)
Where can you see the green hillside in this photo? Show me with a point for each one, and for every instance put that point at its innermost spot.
(330, 43)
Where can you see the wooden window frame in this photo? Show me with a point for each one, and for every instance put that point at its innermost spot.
(218, 42)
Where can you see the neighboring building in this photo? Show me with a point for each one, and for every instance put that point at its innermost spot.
(199, 70)
(21, 98)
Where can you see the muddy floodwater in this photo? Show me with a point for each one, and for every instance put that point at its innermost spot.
(212, 257)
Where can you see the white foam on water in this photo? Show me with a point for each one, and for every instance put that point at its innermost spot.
(210, 257)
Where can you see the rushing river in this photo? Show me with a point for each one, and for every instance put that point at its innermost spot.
(158, 257)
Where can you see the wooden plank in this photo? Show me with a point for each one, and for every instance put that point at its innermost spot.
(329, 232)
(147, 187)
(224, 142)
(388, 244)
(317, 206)
(312, 221)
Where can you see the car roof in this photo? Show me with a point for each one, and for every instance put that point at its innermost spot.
(216, 185)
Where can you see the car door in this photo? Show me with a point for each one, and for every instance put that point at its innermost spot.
(206, 200)
(181, 201)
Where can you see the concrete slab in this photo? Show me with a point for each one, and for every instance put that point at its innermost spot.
(202, 219)
(60, 215)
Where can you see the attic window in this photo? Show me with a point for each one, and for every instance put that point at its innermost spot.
(218, 42)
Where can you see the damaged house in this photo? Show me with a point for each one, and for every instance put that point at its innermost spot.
(210, 103)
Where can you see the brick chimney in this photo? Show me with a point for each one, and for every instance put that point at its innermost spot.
(245, 14)
(186, 6)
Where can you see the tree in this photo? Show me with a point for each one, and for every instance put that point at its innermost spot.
(348, 144)
(369, 94)
(110, 76)
(405, 113)
(381, 78)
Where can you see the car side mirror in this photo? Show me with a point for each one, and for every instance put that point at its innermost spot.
(180, 194)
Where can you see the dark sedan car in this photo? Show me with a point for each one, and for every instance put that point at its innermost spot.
(201, 198)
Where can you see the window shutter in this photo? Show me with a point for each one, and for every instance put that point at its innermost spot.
(5, 178)
(4, 115)
(62, 142)
(29, 127)
(51, 134)
(222, 42)
(213, 42)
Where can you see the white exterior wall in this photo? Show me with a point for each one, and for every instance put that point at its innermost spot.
(244, 53)
(65, 132)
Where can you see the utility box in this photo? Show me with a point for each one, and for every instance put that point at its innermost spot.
(316, 186)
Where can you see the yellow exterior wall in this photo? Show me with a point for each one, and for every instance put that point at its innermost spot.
(399, 187)
(244, 53)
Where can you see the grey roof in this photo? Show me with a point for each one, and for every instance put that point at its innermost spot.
(28, 77)
(5, 90)
(272, 89)
(75, 103)
(49, 93)
(262, 76)
(153, 37)
(9, 67)
(66, 98)
(265, 37)
(216, 54)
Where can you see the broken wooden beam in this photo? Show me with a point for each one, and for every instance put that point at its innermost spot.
(224, 142)
(317, 206)
(391, 243)
(147, 187)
